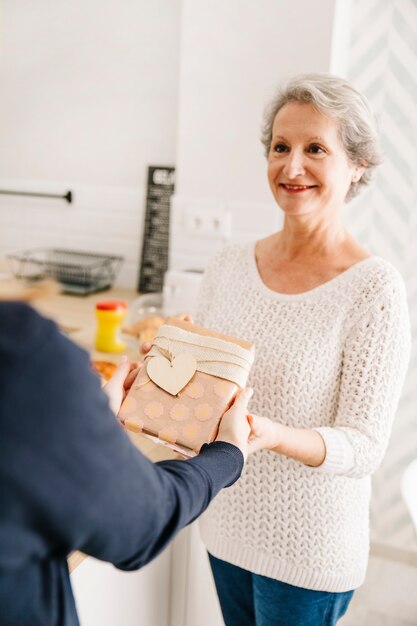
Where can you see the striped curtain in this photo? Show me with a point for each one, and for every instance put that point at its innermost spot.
(383, 65)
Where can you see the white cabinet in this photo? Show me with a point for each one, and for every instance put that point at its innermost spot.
(106, 596)
(194, 598)
(176, 589)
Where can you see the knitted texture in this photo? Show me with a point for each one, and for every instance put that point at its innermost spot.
(331, 359)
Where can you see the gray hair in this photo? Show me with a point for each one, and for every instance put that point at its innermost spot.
(335, 97)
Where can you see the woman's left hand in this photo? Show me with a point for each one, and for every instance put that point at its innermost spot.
(120, 383)
(264, 435)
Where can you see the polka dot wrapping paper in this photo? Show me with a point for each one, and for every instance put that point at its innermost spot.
(184, 421)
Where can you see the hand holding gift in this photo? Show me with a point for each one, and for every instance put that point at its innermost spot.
(190, 379)
(234, 426)
(120, 383)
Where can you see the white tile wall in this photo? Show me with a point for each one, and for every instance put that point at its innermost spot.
(100, 219)
(249, 221)
(110, 220)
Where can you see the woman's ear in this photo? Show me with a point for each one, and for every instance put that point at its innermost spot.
(357, 173)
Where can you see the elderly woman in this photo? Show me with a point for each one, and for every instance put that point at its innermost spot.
(288, 543)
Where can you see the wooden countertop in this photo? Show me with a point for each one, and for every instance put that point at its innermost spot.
(76, 317)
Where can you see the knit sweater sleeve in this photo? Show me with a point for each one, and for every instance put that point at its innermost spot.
(375, 360)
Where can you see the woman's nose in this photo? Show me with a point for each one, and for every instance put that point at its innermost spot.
(294, 165)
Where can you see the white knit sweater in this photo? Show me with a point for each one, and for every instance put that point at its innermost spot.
(332, 359)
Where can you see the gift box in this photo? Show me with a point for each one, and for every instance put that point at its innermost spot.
(190, 377)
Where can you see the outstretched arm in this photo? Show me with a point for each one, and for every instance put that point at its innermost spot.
(76, 480)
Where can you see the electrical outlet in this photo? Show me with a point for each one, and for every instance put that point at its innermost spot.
(208, 224)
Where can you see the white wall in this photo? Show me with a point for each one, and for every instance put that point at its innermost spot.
(233, 56)
(89, 99)
(89, 89)
(93, 92)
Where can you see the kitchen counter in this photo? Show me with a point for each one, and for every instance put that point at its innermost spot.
(76, 317)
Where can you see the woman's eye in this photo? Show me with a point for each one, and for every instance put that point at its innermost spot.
(280, 147)
(316, 149)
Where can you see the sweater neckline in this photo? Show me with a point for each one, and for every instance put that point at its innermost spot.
(310, 293)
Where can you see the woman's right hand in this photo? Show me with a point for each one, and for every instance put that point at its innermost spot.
(234, 426)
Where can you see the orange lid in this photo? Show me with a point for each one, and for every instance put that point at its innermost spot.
(111, 305)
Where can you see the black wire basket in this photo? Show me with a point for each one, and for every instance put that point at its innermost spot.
(78, 272)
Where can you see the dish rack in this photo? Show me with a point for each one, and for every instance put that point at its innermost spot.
(78, 272)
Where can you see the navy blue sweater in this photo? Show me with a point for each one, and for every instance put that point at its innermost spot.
(70, 479)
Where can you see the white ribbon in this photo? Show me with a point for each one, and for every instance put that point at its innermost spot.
(218, 357)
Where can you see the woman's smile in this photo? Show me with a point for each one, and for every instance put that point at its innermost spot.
(296, 189)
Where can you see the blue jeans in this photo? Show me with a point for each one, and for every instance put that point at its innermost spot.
(248, 599)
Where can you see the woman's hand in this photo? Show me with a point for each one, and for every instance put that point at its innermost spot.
(234, 426)
(303, 444)
(265, 434)
(120, 383)
(185, 317)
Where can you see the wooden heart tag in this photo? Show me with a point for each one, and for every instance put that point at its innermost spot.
(172, 375)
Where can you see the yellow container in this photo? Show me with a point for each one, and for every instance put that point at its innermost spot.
(109, 315)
